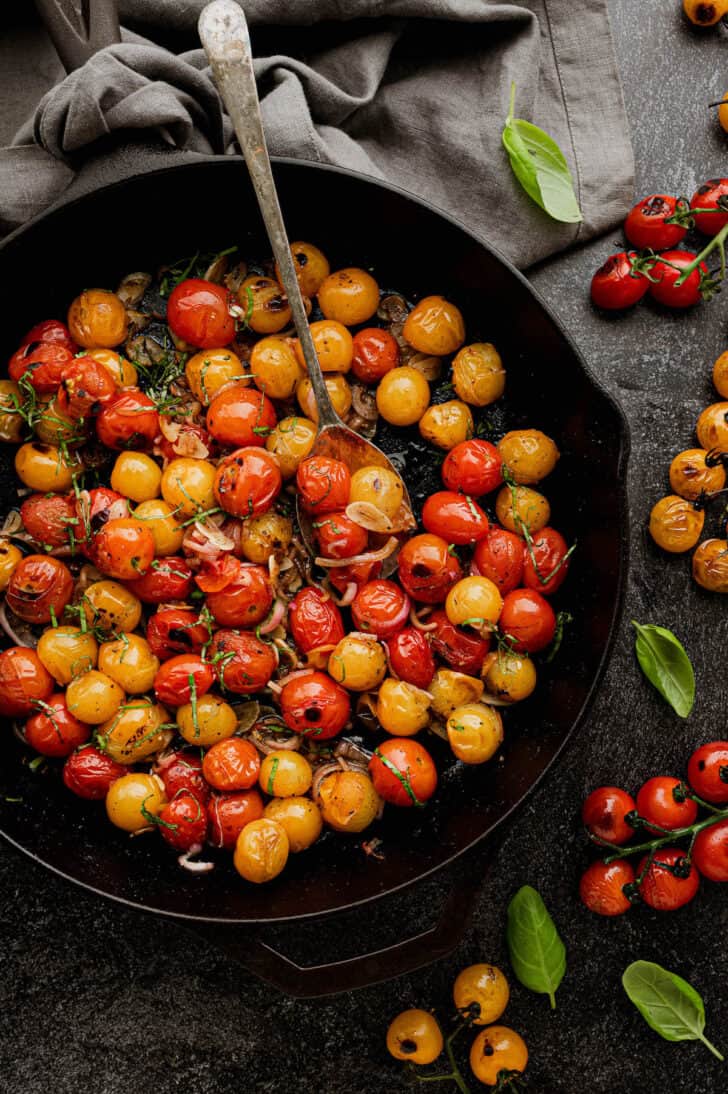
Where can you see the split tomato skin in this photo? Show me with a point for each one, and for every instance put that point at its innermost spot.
(314, 620)
(315, 706)
(43, 363)
(645, 225)
(198, 311)
(176, 630)
(428, 569)
(54, 731)
(454, 517)
(462, 650)
(660, 888)
(128, 420)
(242, 598)
(243, 663)
(50, 330)
(616, 285)
(604, 812)
(403, 772)
(410, 656)
(602, 886)
(48, 518)
(39, 588)
(708, 772)
(663, 288)
(707, 196)
(89, 773)
(323, 484)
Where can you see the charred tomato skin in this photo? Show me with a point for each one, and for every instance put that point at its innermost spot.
(428, 568)
(176, 630)
(616, 285)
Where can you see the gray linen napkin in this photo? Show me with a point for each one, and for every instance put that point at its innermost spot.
(413, 91)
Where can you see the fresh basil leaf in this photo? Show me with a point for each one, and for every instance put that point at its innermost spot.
(538, 956)
(668, 1004)
(540, 166)
(666, 665)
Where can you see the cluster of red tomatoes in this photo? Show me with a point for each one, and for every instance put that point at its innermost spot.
(675, 277)
(666, 877)
(173, 643)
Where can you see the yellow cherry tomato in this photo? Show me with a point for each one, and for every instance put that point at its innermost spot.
(93, 697)
(705, 13)
(129, 661)
(521, 507)
(509, 676)
(497, 1049)
(358, 662)
(478, 375)
(45, 468)
(130, 797)
(695, 472)
(339, 392)
(474, 602)
(209, 370)
(348, 801)
(710, 565)
(265, 305)
(211, 720)
(378, 486)
(402, 709)
(10, 556)
(137, 730)
(97, 319)
(475, 732)
(136, 476)
(483, 992)
(450, 689)
(187, 485)
(415, 1036)
(435, 326)
(290, 442)
(447, 424)
(720, 368)
(333, 344)
(167, 533)
(712, 427)
(275, 367)
(350, 296)
(312, 267)
(12, 426)
(403, 396)
(111, 608)
(676, 524)
(52, 426)
(285, 773)
(299, 817)
(261, 850)
(528, 454)
(67, 652)
(265, 535)
(122, 372)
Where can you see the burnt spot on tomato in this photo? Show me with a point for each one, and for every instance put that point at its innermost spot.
(312, 714)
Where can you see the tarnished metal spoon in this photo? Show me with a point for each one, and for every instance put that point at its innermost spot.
(224, 34)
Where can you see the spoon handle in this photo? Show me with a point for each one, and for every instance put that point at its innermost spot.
(226, 41)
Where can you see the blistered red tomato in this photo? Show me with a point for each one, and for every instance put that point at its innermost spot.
(229, 813)
(39, 589)
(315, 706)
(375, 354)
(604, 812)
(182, 771)
(667, 271)
(357, 574)
(242, 598)
(85, 387)
(323, 484)
(232, 764)
(708, 196)
(50, 330)
(708, 772)
(499, 557)
(128, 420)
(473, 467)
(662, 801)
(183, 822)
(198, 311)
(339, 537)
(528, 618)
(176, 630)
(669, 882)
(314, 620)
(460, 649)
(454, 517)
(380, 607)
(403, 772)
(54, 731)
(646, 225)
(43, 364)
(247, 482)
(617, 284)
(243, 663)
(181, 677)
(428, 568)
(49, 518)
(545, 561)
(89, 773)
(123, 549)
(23, 682)
(410, 657)
(240, 416)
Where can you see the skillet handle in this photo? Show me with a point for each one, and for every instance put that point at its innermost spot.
(398, 959)
(76, 39)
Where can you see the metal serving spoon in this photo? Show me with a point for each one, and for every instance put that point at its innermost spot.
(224, 34)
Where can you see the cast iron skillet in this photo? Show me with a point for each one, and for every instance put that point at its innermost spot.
(148, 219)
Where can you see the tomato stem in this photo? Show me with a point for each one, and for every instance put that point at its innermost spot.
(654, 845)
(716, 241)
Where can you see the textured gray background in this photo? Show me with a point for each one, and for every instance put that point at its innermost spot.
(94, 997)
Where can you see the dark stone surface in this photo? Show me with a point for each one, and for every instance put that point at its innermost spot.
(95, 997)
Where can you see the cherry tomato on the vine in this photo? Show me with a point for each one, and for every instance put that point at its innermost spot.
(660, 887)
(604, 812)
(708, 772)
(403, 772)
(667, 270)
(602, 886)
(710, 851)
(659, 801)
(617, 284)
(707, 196)
(645, 224)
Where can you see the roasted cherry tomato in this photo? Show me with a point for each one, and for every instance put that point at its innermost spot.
(89, 773)
(24, 681)
(455, 517)
(39, 589)
(323, 484)
(85, 387)
(707, 196)
(669, 882)
(710, 851)
(617, 284)
(545, 561)
(375, 353)
(499, 557)
(529, 619)
(176, 630)
(181, 677)
(447, 424)
(381, 608)
(602, 887)
(662, 801)
(191, 440)
(229, 813)
(350, 296)
(436, 326)
(94, 510)
(98, 318)
(462, 650)
(198, 311)
(410, 657)
(50, 330)
(357, 574)
(232, 764)
(247, 482)
(604, 812)
(182, 771)
(124, 549)
(315, 706)
(428, 568)
(183, 822)
(128, 420)
(708, 772)
(243, 663)
(241, 416)
(338, 536)
(242, 597)
(49, 518)
(43, 363)
(645, 224)
(314, 619)
(403, 772)
(166, 579)
(666, 271)
(54, 731)
(473, 467)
